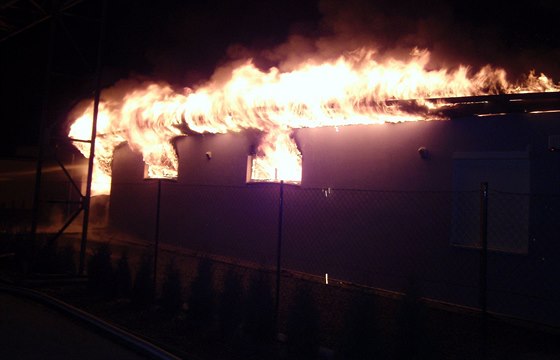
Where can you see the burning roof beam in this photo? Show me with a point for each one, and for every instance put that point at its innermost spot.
(455, 107)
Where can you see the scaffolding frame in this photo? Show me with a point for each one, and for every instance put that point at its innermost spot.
(19, 16)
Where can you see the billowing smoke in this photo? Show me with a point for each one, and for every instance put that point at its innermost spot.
(183, 43)
(512, 35)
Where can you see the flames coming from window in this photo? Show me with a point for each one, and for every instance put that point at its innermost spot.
(356, 88)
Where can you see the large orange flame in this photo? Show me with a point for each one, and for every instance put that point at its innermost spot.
(353, 89)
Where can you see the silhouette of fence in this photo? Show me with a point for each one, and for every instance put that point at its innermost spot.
(378, 239)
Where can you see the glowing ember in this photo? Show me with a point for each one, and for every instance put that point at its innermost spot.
(353, 89)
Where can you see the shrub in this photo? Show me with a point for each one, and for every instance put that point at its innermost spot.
(24, 246)
(259, 318)
(230, 311)
(100, 272)
(171, 297)
(46, 260)
(412, 342)
(201, 300)
(143, 288)
(65, 261)
(361, 338)
(303, 326)
(123, 279)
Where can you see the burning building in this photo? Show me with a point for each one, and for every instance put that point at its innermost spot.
(368, 194)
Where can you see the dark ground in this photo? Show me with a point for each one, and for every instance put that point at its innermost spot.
(30, 330)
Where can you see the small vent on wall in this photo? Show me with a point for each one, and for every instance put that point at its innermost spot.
(554, 142)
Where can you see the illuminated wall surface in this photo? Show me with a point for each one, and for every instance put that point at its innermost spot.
(371, 210)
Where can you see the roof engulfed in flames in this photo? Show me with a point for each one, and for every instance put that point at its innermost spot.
(353, 89)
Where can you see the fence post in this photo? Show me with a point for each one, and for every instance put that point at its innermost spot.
(483, 284)
(279, 254)
(156, 239)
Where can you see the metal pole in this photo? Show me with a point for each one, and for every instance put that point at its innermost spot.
(156, 242)
(87, 197)
(279, 253)
(42, 124)
(483, 290)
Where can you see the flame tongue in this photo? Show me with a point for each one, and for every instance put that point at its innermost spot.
(277, 158)
(353, 89)
(161, 162)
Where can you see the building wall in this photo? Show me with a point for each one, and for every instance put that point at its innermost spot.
(370, 209)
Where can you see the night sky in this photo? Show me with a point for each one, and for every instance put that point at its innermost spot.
(183, 42)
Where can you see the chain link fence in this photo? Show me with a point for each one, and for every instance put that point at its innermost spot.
(341, 244)
(377, 239)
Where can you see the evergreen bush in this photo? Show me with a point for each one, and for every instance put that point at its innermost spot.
(123, 278)
(171, 291)
(100, 272)
(143, 287)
